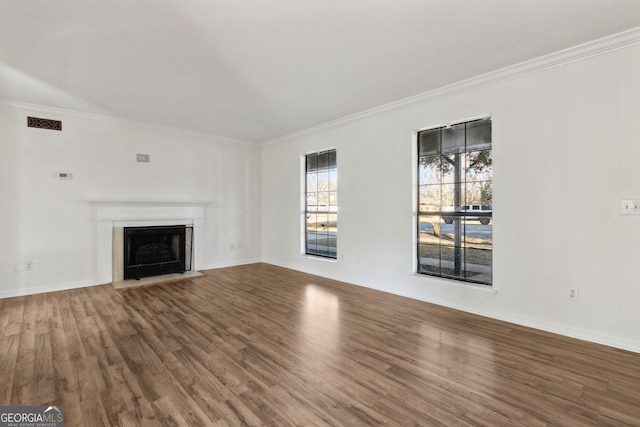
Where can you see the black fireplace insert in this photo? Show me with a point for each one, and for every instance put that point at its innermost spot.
(152, 251)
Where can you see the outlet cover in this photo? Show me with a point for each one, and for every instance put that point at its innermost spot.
(629, 207)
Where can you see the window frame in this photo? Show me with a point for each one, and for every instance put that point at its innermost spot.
(331, 207)
(458, 215)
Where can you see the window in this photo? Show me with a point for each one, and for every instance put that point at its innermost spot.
(455, 213)
(321, 204)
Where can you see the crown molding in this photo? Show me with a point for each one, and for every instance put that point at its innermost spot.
(116, 120)
(583, 51)
(577, 53)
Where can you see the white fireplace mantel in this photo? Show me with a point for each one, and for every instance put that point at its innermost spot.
(110, 214)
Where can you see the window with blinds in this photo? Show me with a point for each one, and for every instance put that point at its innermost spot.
(455, 201)
(321, 204)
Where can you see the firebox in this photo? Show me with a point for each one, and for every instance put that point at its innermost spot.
(152, 251)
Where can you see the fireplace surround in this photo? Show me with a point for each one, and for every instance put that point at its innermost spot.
(113, 217)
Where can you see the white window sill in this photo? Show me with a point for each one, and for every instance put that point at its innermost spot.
(472, 288)
(320, 258)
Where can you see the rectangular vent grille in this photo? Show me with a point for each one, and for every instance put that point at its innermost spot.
(37, 122)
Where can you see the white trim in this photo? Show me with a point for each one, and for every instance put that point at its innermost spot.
(597, 47)
(320, 258)
(48, 288)
(457, 285)
(112, 214)
(216, 265)
(586, 50)
(552, 327)
(543, 325)
(94, 282)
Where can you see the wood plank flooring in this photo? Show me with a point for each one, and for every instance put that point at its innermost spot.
(262, 345)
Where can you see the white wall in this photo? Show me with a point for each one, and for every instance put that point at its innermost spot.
(566, 144)
(52, 222)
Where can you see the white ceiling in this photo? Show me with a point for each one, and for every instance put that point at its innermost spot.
(254, 70)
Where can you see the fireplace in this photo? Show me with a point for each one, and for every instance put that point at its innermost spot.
(112, 217)
(156, 250)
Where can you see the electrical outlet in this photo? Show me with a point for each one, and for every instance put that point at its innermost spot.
(31, 265)
(572, 294)
(629, 207)
(232, 247)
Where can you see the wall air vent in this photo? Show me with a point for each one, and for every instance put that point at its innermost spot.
(36, 122)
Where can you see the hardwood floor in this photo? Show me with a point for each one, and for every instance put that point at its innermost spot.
(262, 345)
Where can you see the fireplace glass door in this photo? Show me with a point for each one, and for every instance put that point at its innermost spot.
(152, 251)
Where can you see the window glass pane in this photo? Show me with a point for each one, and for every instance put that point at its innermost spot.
(332, 223)
(323, 201)
(452, 197)
(321, 242)
(323, 180)
(333, 201)
(318, 162)
(478, 265)
(452, 168)
(312, 221)
(331, 244)
(429, 258)
(452, 232)
(478, 135)
(312, 162)
(480, 193)
(312, 182)
(429, 198)
(453, 139)
(323, 161)
(429, 227)
(479, 166)
(451, 261)
(331, 160)
(312, 237)
(333, 179)
(479, 235)
(429, 170)
(321, 224)
(312, 202)
(429, 142)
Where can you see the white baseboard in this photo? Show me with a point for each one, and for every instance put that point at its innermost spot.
(95, 282)
(213, 266)
(543, 325)
(49, 288)
(556, 328)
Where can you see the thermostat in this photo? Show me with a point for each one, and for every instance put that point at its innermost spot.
(64, 175)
